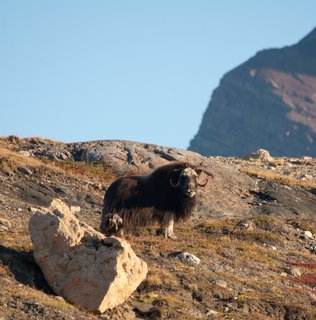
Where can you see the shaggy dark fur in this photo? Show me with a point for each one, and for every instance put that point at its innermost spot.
(153, 198)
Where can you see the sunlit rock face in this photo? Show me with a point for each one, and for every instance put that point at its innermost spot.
(80, 264)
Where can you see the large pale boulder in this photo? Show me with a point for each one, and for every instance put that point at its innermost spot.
(79, 263)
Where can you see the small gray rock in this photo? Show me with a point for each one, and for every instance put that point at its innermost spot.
(64, 156)
(5, 223)
(260, 154)
(221, 283)
(211, 313)
(311, 248)
(25, 170)
(308, 235)
(25, 153)
(75, 209)
(295, 272)
(186, 258)
(247, 224)
(143, 308)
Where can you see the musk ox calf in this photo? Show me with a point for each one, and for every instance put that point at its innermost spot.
(164, 196)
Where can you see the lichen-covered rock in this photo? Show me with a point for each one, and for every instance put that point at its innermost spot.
(79, 263)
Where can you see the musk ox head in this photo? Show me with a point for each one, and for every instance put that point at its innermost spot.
(112, 223)
(187, 180)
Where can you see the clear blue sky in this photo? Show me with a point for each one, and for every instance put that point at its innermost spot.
(76, 70)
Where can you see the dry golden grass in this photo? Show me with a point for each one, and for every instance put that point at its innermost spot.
(3, 270)
(170, 302)
(88, 171)
(139, 172)
(159, 277)
(42, 140)
(283, 179)
(267, 222)
(28, 293)
(303, 224)
(11, 161)
(16, 239)
(220, 228)
(6, 140)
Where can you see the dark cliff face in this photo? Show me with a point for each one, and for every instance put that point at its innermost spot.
(268, 102)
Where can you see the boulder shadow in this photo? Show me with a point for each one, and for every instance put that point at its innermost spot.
(23, 267)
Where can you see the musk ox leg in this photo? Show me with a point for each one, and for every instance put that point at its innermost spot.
(168, 230)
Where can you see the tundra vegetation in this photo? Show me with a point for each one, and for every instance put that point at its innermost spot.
(254, 266)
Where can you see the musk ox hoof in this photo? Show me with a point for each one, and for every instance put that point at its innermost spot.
(170, 236)
(166, 235)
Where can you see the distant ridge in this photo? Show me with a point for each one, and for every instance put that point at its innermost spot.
(267, 102)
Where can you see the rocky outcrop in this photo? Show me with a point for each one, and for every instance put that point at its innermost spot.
(268, 102)
(80, 264)
(228, 194)
(128, 157)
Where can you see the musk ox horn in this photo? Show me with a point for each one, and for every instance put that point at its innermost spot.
(202, 184)
(199, 171)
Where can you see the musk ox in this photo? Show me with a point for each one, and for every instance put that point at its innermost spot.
(164, 196)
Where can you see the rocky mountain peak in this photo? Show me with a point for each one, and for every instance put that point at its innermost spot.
(311, 37)
(267, 102)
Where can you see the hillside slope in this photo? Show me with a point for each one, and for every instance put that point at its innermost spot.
(249, 232)
(267, 102)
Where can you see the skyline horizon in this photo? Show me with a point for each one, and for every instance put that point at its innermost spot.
(138, 72)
